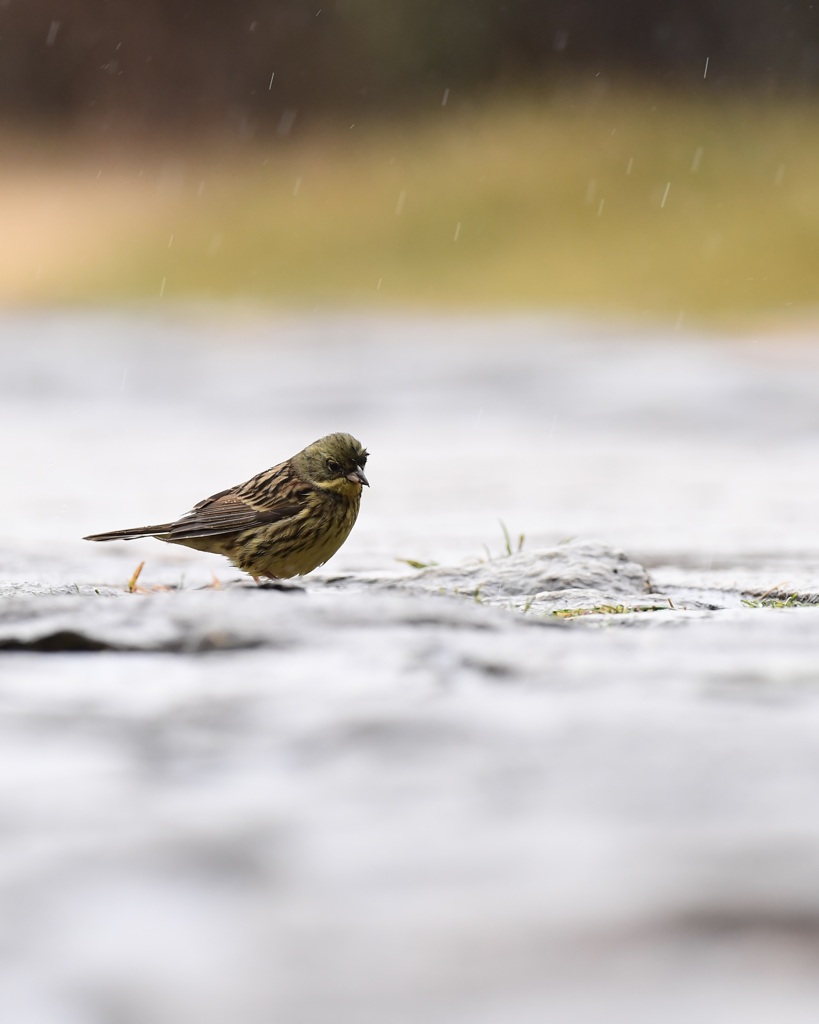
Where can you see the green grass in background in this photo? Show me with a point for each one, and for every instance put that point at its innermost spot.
(676, 210)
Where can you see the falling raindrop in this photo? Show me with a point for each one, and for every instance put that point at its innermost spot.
(162, 287)
(297, 186)
(600, 207)
(445, 97)
(629, 165)
(665, 195)
(53, 29)
(270, 83)
(457, 232)
(705, 69)
(286, 122)
(695, 163)
(399, 206)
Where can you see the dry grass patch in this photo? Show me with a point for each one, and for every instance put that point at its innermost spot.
(676, 210)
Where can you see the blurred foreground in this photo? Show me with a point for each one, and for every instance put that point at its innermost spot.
(643, 203)
(360, 805)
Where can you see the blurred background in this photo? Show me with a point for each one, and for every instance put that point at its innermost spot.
(656, 160)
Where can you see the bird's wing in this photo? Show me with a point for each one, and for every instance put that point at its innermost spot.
(235, 509)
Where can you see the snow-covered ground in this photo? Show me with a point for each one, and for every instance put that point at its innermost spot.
(358, 804)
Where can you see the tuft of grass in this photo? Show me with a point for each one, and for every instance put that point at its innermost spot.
(508, 547)
(781, 601)
(132, 582)
(641, 203)
(510, 550)
(415, 564)
(605, 609)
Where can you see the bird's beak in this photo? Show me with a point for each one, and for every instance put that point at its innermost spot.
(357, 477)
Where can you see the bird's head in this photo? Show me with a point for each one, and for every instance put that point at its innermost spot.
(335, 462)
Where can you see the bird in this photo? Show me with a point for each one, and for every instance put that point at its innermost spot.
(284, 522)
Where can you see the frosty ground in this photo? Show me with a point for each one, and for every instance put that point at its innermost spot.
(392, 793)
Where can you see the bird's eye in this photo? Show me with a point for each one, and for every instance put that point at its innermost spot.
(333, 466)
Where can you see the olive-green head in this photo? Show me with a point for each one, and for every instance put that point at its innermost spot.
(336, 461)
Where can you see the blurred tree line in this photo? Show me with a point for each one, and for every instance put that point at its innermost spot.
(247, 65)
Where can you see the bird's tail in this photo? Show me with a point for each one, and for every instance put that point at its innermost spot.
(134, 533)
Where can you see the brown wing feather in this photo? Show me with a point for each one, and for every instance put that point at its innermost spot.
(269, 497)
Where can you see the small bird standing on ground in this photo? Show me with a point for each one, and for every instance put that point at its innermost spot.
(283, 522)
